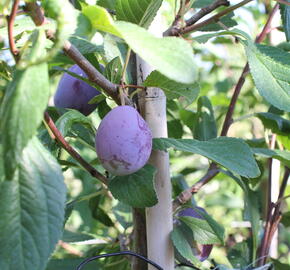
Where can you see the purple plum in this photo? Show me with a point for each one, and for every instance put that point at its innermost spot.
(204, 250)
(74, 93)
(123, 141)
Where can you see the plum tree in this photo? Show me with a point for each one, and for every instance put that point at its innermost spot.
(203, 250)
(123, 141)
(74, 93)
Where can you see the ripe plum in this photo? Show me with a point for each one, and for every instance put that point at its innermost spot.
(74, 93)
(123, 141)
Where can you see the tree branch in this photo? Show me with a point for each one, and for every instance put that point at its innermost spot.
(64, 144)
(71, 51)
(215, 18)
(273, 220)
(229, 116)
(93, 74)
(186, 195)
(10, 20)
(206, 10)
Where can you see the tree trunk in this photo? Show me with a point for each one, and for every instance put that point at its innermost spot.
(159, 221)
(139, 239)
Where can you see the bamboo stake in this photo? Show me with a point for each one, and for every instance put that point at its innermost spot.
(159, 222)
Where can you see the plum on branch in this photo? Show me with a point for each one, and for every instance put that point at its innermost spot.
(123, 141)
(74, 93)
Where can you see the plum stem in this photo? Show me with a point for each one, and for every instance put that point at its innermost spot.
(64, 144)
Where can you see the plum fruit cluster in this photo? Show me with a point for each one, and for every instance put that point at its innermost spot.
(74, 93)
(123, 141)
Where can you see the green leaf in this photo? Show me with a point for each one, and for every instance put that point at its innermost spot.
(252, 213)
(173, 57)
(202, 231)
(285, 15)
(205, 126)
(180, 243)
(4, 5)
(216, 228)
(226, 20)
(136, 189)
(280, 266)
(74, 237)
(32, 208)
(239, 255)
(188, 118)
(270, 74)
(283, 156)
(286, 219)
(101, 19)
(138, 12)
(22, 109)
(275, 122)
(232, 153)
(85, 46)
(65, 122)
(113, 70)
(234, 32)
(202, 3)
(72, 263)
(109, 4)
(172, 88)
(175, 129)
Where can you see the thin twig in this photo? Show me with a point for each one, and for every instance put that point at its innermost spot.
(11, 19)
(132, 86)
(273, 220)
(215, 18)
(176, 25)
(35, 12)
(283, 2)
(229, 116)
(186, 195)
(206, 10)
(64, 144)
(70, 249)
(93, 74)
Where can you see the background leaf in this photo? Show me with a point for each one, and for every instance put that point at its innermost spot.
(136, 189)
(205, 125)
(237, 157)
(101, 19)
(138, 12)
(172, 88)
(32, 207)
(285, 15)
(202, 231)
(283, 156)
(180, 243)
(276, 123)
(23, 105)
(270, 74)
(171, 56)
